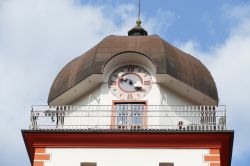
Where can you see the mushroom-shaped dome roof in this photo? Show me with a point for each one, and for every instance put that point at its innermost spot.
(166, 58)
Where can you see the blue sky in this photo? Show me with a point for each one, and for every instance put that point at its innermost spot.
(203, 21)
(37, 38)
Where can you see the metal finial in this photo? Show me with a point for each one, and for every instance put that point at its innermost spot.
(138, 30)
(138, 21)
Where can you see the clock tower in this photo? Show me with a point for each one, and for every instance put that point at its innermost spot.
(131, 100)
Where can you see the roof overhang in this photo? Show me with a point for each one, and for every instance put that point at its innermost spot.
(185, 90)
(78, 90)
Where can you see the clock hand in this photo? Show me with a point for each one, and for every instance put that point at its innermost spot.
(131, 82)
(122, 78)
(137, 84)
(126, 80)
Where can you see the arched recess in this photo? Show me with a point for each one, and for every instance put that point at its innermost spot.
(128, 58)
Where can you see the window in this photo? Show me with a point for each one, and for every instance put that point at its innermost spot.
(166, 164)
(88, 164)
(129, 115)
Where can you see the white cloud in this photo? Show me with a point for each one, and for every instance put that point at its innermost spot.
(37, 38)
(190, 47)
(229, 63)
(162, 20)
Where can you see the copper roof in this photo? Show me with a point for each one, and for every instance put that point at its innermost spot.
(166, 58)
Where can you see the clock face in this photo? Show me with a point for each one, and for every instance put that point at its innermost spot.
(130, 82)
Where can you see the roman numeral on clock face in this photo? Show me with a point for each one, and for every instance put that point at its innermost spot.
(130, 97)
(131, 68)
(147, 82)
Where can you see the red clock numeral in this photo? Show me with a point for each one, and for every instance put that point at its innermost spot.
(147, 82)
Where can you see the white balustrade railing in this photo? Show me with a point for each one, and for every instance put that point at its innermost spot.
(130, 117)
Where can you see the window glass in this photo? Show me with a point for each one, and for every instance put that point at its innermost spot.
(166, 164)
(130, 115)
(88, 164)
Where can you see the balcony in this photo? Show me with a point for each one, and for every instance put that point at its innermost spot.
(128, 117)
